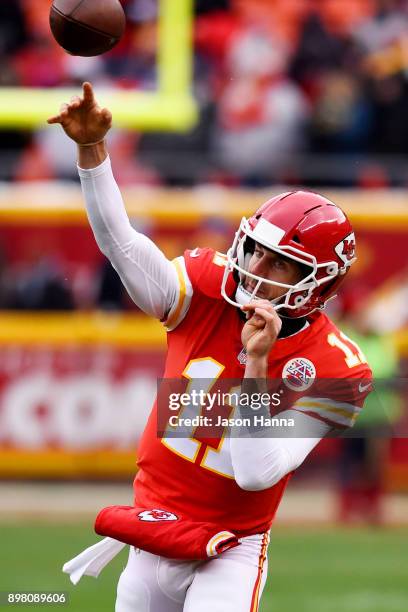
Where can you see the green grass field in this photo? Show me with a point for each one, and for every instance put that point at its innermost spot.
(316, 570)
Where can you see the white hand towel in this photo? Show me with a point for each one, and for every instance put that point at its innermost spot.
(92, 560)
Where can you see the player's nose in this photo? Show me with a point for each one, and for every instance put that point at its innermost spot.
(260, 267)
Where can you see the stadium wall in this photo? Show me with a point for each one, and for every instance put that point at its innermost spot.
(76, 388)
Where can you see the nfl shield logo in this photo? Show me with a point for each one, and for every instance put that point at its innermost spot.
(299, 374)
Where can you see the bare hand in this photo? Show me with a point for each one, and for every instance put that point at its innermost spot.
(260, 332)
(82, 119)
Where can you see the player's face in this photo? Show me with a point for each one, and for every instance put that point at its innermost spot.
(271, 266)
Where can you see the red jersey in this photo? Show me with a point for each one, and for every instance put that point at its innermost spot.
(195, 479)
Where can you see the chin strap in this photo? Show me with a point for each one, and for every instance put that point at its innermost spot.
(242, 296)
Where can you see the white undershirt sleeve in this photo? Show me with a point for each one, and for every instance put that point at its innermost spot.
(149, 277)
(260, 462)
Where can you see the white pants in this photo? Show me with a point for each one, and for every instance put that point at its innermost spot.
(232, 582)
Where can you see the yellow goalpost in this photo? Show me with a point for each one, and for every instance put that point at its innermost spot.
(170, 108)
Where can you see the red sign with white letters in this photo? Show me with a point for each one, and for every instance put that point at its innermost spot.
(73, 401)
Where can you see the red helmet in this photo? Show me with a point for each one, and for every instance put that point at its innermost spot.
(305, 227)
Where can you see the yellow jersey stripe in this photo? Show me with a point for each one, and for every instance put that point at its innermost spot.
(172, 320)
(328, 408)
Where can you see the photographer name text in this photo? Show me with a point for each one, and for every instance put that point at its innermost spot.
(257, 420)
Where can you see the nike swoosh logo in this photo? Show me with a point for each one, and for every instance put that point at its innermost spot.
(363, 388)
(195, 253)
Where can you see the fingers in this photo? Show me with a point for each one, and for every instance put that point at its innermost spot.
(55, 119)
(88, 94)
(263, 312)
(62, 114)
(251, 308)
(264, 315)
(75, 102)
(271, 320)
(256, 304)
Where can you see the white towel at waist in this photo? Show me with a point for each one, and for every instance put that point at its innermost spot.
(92, 560)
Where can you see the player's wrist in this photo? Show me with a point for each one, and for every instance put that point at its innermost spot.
(256, 365)
(91, 155)
(91, 144)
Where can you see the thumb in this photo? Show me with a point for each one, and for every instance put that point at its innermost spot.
(55, 119)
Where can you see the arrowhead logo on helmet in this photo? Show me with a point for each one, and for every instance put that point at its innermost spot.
(306, 228)
(346, 249)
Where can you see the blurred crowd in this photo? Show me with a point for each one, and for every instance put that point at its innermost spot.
(290, 91)
(310, 92)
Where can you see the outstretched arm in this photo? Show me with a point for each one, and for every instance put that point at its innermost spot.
(149, 277)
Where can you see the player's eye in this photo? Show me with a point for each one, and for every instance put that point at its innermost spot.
(280, 264)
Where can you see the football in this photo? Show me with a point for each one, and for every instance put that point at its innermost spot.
(87, 27)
